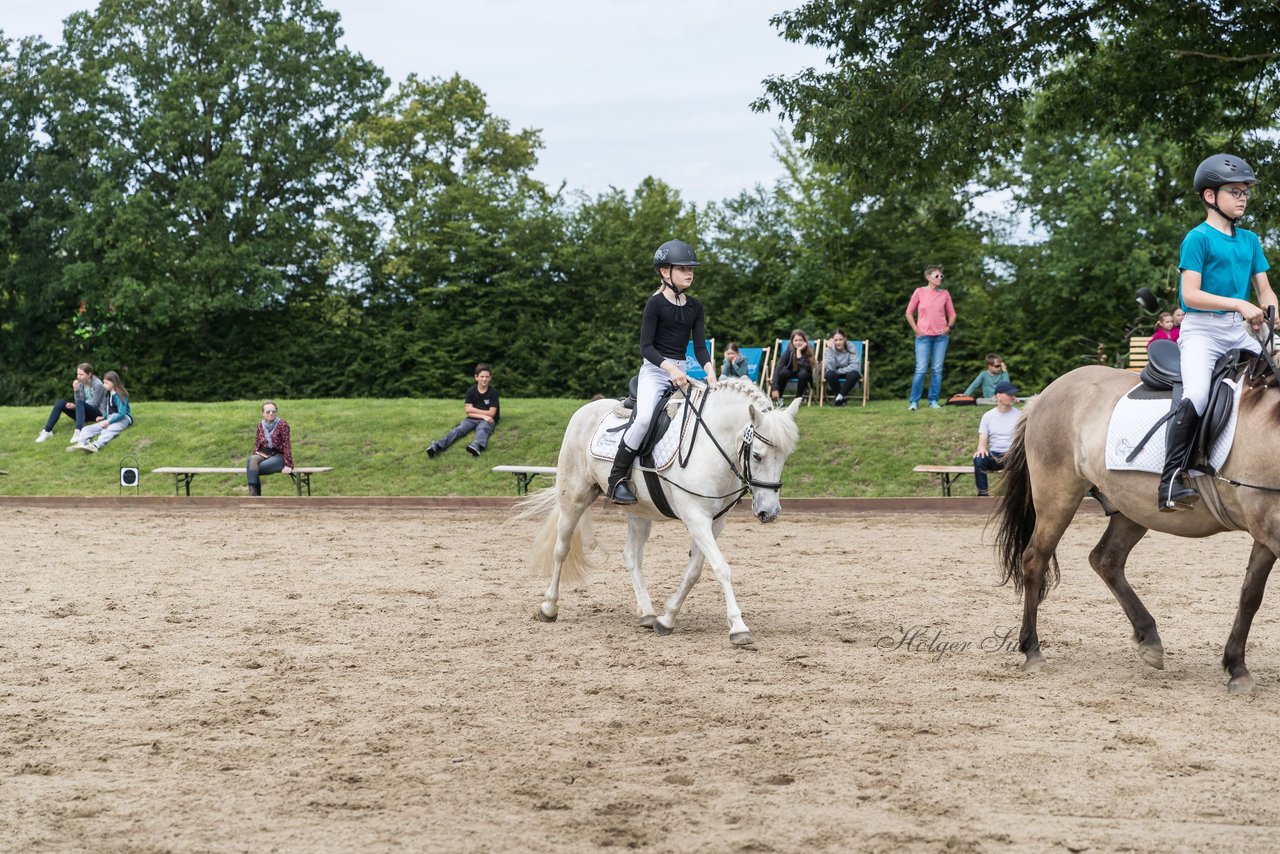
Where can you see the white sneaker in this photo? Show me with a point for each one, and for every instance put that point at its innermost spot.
(933, 404)
(911, 407)
(43, 437)
(75, 437)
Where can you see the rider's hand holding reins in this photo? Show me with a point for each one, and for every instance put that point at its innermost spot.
(678, 376)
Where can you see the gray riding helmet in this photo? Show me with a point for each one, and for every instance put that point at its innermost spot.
(674, 253)
(1223, 169)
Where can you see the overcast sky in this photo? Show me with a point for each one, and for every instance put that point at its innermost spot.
(620, 89)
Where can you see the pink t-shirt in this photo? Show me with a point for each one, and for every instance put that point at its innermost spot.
(934, 311)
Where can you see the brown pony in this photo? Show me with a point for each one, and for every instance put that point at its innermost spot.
(1058, 456)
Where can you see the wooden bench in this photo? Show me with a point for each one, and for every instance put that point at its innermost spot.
(183, 475)
(526, 474)
(1138, 353)
(948, 474)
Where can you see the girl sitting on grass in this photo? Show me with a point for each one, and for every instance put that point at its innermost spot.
(115, 422)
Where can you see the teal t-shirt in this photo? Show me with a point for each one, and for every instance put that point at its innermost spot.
(1225, 263)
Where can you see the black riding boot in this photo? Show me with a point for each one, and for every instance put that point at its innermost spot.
(255, 489)
(1174, 493)
(619, 489)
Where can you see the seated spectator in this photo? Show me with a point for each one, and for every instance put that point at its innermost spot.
(841, 367)
(117, 419)
(85, 404)
(1178, 314)
(987, 380)
(735, 364)
(796, 362)
(1165, 328)
(480, 409)
(995, 435)
(272, 448)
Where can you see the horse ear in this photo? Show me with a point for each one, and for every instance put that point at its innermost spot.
(794, 408)
(755, 413)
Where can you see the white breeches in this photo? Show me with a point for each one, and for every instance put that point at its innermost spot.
(653, 382)
(1203, 338)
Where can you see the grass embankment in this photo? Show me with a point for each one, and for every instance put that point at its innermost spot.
(376, 448)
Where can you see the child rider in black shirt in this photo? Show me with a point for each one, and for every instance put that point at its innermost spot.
(671, 316)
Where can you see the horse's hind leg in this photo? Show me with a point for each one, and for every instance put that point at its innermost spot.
(1261, 560)
(638, 529)
(692, 572)
(571, 506)
(1108, 559)
(1052, 520)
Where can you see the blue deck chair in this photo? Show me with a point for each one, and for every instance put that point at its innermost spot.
(691, 366)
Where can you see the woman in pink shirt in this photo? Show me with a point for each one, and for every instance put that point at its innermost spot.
(931, 316)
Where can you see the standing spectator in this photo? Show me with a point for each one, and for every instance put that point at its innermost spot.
(1178, 314)
(735, 364)
(115, 421)
(987, 380)
(1165, 328)
(995, 435)
(480, 413)
(84, 405)
(931, 316)
(794, 363)
(272, 449)
(840, 367)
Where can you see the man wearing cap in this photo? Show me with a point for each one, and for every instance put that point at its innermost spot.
(995, 435)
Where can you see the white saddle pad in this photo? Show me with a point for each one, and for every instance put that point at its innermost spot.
(604, 442)
(1131, 420)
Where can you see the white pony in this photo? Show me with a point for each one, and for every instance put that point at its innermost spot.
(736, 444)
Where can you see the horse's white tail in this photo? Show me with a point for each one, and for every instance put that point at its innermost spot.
(578, 562)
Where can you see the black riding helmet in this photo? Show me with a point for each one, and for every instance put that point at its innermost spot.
(1221, 169)
(674, 253)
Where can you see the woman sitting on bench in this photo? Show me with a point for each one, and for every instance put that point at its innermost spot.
(271, 449)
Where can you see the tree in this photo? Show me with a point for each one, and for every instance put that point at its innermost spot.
(204, 137)
(933, 94)
(451, 242)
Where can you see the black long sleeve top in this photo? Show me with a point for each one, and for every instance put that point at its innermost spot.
(666, 329)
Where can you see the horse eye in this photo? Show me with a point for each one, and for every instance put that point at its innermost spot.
(757, 456)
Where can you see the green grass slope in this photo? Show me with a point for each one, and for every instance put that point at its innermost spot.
(376, 448)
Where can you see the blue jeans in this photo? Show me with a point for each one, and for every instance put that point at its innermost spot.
(930, 351)
(256, 466)
(482, 428)
(982, 465)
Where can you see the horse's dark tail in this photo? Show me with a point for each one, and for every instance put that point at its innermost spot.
(1017, 513)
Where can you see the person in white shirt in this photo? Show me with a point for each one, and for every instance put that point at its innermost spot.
(995, 435)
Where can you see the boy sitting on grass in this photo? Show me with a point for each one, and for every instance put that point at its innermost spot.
(481, 408)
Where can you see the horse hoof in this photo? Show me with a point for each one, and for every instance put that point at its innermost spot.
(1034, 663)
(741, 638)
(543, 618)
(648, 621)
(659, 629)
(1153, 655)
(1240, 685)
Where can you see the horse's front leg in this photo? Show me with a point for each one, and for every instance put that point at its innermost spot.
(692, 573)
(1261, 560)
(700, 527)
(638, 529)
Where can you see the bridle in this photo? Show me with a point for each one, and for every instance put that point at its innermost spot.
(749, 437)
